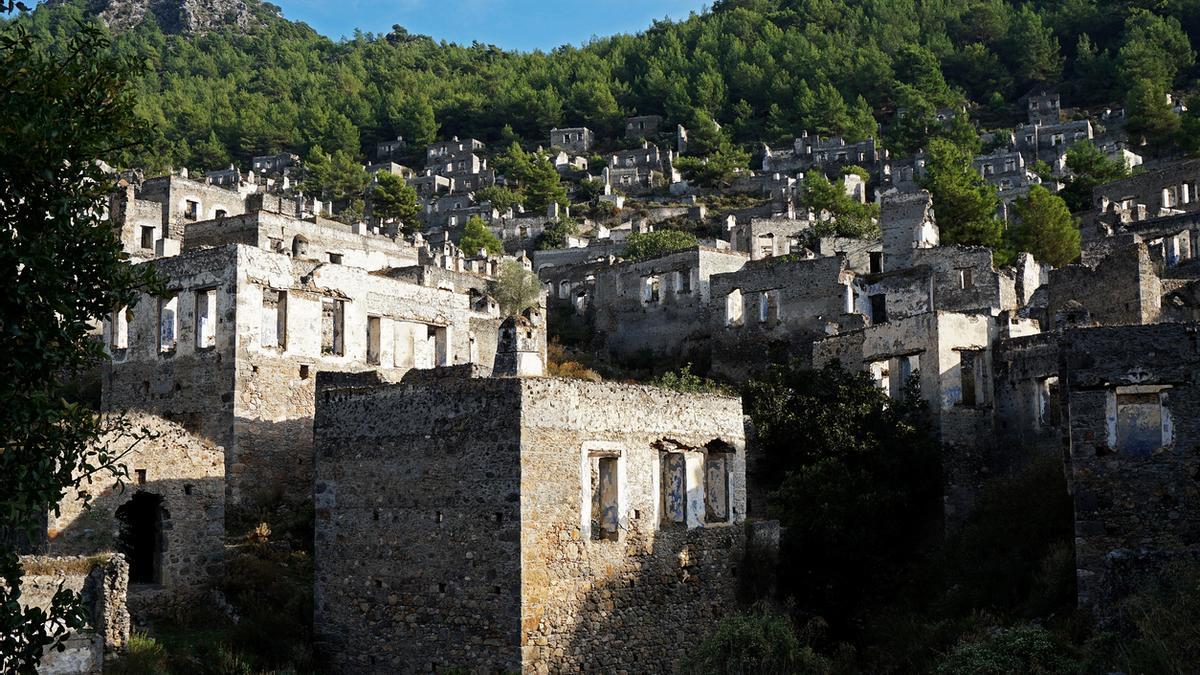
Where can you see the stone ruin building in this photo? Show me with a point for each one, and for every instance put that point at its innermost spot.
(523, 523)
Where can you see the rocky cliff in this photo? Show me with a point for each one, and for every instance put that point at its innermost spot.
(179, 16)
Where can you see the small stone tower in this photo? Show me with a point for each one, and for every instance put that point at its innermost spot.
(518, 347)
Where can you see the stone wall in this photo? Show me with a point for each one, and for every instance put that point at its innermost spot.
(1122, 289)
(777, 308)
(101, 581)
(640, 602)
(418, 527)
(1134, 426)
(173, 193)
(185, 474)
(277, 232)
(464, 539)
(632, 321)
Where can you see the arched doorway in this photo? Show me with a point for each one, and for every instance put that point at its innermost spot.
(141, 537)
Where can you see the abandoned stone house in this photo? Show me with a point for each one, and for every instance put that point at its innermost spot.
(167, 520)
(573, 139)
(534, 524)
(1049, 142)
(1044, 108)
(1131, 423)
(257, 305)
(643, 126)
(438, 153)
(1170, 190)
(830, 155)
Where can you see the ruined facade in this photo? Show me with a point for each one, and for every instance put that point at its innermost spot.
(232, 352)
(540, 525)
(1132, 461)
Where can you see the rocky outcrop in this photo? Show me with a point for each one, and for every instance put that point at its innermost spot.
(179, 16)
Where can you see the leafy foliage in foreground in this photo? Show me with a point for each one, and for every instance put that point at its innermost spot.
(61, 112)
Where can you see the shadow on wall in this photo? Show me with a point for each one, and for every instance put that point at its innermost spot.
(671, 591)
(171, 533)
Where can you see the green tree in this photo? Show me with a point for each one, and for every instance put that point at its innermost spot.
(1033, 48)
(210, 153)
(643, 245)
(516, 288)
(1021, 649)
(965, 204)
(61, 110)
(854, 480)
(1156, 49)
(416, 121)
(393, 199)
(1088, 167)
(1189, 126)
(501, 198)
(1045, 228)
(477, 237)
(555, 234)
(846, 216)
(1149, 114)
(534, 178)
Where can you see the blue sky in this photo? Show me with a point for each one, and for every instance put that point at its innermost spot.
(511, 24)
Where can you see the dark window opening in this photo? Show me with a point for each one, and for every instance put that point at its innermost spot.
(140, 537)
(147, 237)
(878, 308)
(876, 261)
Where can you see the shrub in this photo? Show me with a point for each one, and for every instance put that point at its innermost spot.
(759, 641)
(1021, 649)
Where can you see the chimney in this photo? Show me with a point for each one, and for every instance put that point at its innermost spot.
(518, 348)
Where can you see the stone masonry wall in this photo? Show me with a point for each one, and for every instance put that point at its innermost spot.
(1135, 503)
(418, 527)
(1122, 289)
(806, 300)
(640, 602)
(101, 581)
(188, 473)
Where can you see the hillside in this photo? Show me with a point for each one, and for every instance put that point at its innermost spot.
(253, 83)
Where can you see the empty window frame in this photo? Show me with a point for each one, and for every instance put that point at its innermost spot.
(148, 236)
(168, 323)
(374, 328)
(1049, 405)
(603, 493)
(876, 261)
(651, 290)
(683, 281)
(118, 338)
(674, 488)
(191, 209)
(1139, 424)
(970, 368)
(273, 328)
(333, 325)
(965, 278)
(878, 308)
(718, 458)
(206, 318)
(734, 308)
